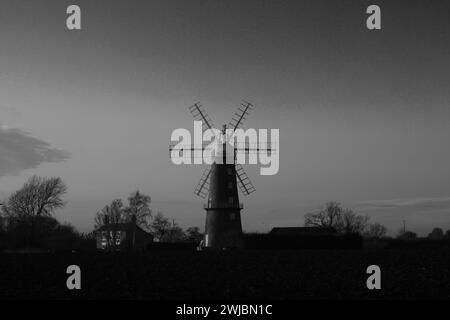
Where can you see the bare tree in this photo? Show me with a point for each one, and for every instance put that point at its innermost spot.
(110, 214)
(375, 231)
(352, 223)
(328, 217)
(194, 234)
(160, 226)
(344, 221)
(174, 234)
(30, 208)
(139, 207)
(39, 196)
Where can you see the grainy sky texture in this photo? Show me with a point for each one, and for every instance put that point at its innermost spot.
(364, 116)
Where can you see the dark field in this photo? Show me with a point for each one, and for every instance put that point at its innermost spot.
(406, 273)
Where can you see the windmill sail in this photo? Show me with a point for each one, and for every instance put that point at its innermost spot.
(200, 115)
(202, 187)
(240, 115)
(244, 183)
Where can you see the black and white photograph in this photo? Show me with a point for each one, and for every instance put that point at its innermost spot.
(218, 158)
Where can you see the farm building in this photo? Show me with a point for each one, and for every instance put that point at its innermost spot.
(122, 236)
(301, 238)
(302, 231)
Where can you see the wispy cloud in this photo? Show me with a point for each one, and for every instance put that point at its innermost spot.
(421, 213)
(430, 203)
(10, 110)
(19, 151)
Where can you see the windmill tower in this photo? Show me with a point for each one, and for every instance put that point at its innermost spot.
(220, 181)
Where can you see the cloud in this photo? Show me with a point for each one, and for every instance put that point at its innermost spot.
(20, 151)
(421, 213)
(11, 110)
(425, 203)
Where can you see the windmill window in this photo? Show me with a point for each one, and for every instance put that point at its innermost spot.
(230, 184)
(232, 216)
(229, 171)
(230, 200)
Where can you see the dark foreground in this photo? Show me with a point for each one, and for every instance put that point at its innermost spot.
(406, 273)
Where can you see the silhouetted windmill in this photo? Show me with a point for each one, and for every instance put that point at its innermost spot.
(223, 228)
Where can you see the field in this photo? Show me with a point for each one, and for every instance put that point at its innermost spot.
(304, 274)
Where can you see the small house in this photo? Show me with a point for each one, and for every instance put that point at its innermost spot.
(122, 237)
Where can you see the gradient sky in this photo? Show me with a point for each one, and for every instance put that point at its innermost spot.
(364, 116)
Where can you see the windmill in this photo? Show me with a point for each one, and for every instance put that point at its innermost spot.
(220, 181)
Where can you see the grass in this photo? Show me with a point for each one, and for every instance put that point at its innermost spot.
(303, 274)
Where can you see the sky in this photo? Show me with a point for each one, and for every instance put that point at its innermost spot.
(363, 115)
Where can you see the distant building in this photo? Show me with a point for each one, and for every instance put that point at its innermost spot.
(122, 237)
(302, 231)
(295, 238)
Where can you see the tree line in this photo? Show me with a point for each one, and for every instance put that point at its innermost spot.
(27, 221)
(344, 221)
(27, 218)
(138, 208)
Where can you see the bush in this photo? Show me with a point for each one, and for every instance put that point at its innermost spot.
(44, 233)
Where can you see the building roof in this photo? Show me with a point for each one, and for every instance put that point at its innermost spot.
(303, 231)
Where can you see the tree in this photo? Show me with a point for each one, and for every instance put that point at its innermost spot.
(174, 234)
(26, 209)
(39, 196)
(62, 237)
(164, 231)
(327, 217)
(115, 213)
(44, 232)
(160, 226)
(139, 207)
(351, 223)
(344, 221)
(375, 231)
(437, 233)
(110, 214)
(194, 234)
